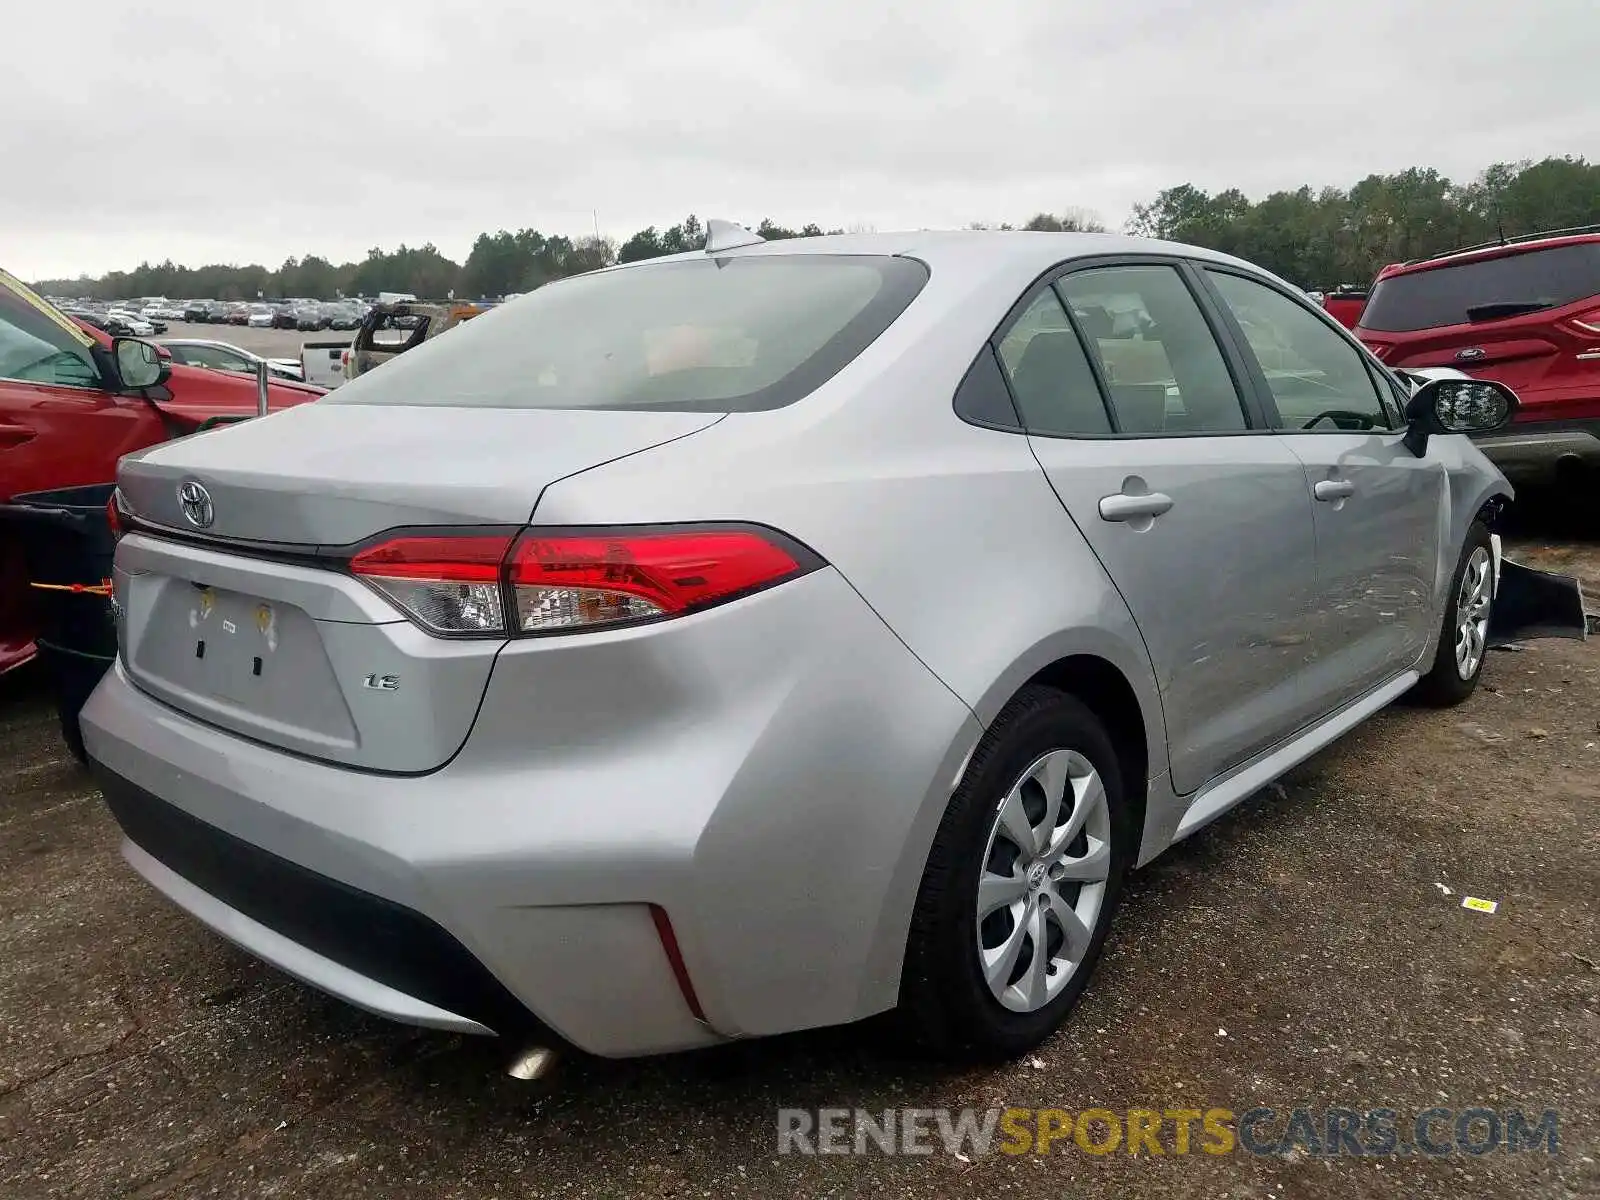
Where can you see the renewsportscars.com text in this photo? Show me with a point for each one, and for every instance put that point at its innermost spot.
(1322, 1133)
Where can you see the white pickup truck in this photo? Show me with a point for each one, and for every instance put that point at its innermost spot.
(322, 363)
(327, 364)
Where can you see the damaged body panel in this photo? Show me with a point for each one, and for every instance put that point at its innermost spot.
(393, 328)
(1531, 604)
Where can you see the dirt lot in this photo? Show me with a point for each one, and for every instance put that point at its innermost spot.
(1301, 951)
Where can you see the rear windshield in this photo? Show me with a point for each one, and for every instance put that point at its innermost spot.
(687, 335)
(1442, 295)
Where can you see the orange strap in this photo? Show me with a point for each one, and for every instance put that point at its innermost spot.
(103, 588)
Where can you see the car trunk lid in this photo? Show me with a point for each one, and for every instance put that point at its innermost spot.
(329, 475)
(252, 624)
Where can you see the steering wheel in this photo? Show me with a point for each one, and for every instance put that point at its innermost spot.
(1339, 416)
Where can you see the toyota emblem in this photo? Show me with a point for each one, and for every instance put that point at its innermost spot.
(196, 503)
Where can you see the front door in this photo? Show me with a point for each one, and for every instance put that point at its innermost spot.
(1376, 506)
(1202, 522)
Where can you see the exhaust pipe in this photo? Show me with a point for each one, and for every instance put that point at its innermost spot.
(533, 1063)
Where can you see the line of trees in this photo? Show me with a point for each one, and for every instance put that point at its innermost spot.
(1313, 237)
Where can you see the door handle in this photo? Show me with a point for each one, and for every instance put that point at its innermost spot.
(14, 435)
(1333, 489)
(1123, 507)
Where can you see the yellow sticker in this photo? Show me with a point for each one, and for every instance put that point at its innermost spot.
(1477, 905)
(263, 618)
(207, 602)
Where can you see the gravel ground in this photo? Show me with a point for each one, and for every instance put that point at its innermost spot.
(1300, 951)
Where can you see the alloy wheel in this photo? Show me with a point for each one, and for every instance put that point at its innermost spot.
(1472, 613)
(1043, 881)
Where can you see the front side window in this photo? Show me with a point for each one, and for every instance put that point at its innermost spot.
(1162, 366)
(1318, 380)
(740, 334)
(37, 347)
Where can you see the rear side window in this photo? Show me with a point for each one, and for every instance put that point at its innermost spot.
(1486, 290)
(1050, 376)
(687, 335)
(1162, 366)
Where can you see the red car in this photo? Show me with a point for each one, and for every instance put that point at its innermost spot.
(1525, 312)
(65, 420)
(1345, 304)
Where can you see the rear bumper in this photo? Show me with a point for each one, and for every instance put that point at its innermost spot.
(372, 952)
(770, 774)
(1543, 446)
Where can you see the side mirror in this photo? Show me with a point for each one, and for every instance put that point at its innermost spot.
(139, 364)
(1457, 406)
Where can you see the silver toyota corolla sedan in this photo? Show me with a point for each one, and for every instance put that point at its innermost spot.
(768, 637)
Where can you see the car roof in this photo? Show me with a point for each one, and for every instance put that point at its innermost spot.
(984, 252)
(1492, 250)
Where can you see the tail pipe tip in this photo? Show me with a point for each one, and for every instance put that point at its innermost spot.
(533, 1063)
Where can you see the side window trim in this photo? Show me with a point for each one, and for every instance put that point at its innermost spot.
(1224, 331)
(1389, 391)
(987, 357)
(1093, 359)
(1255, 419)
(50, 383)
(1264, 397)
(1230, 338)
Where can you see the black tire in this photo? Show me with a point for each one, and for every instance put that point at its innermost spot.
(946, 1006)
(72, 735)
(1443, 685)
(73, 679)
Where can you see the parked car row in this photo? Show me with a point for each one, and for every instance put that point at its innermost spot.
(303, 314)
(119, 322)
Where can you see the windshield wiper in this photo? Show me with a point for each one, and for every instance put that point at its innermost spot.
(1505, 308)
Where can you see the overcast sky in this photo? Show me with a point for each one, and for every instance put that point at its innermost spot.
(214, 131)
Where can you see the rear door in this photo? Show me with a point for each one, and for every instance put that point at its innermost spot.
(1530, 320)
(1199, 515)
(1376, 506)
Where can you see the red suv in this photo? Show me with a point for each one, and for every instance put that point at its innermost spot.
(65, 420)
(1525, 312)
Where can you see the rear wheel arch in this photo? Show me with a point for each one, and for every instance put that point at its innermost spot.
(1102, 688)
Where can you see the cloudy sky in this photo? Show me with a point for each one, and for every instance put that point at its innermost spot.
(218, 131)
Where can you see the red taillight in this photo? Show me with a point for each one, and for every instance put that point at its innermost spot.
(114, 514)
(471, 558)
(1588, 322)
(450, 584)
(564, 581)
(571, 580)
